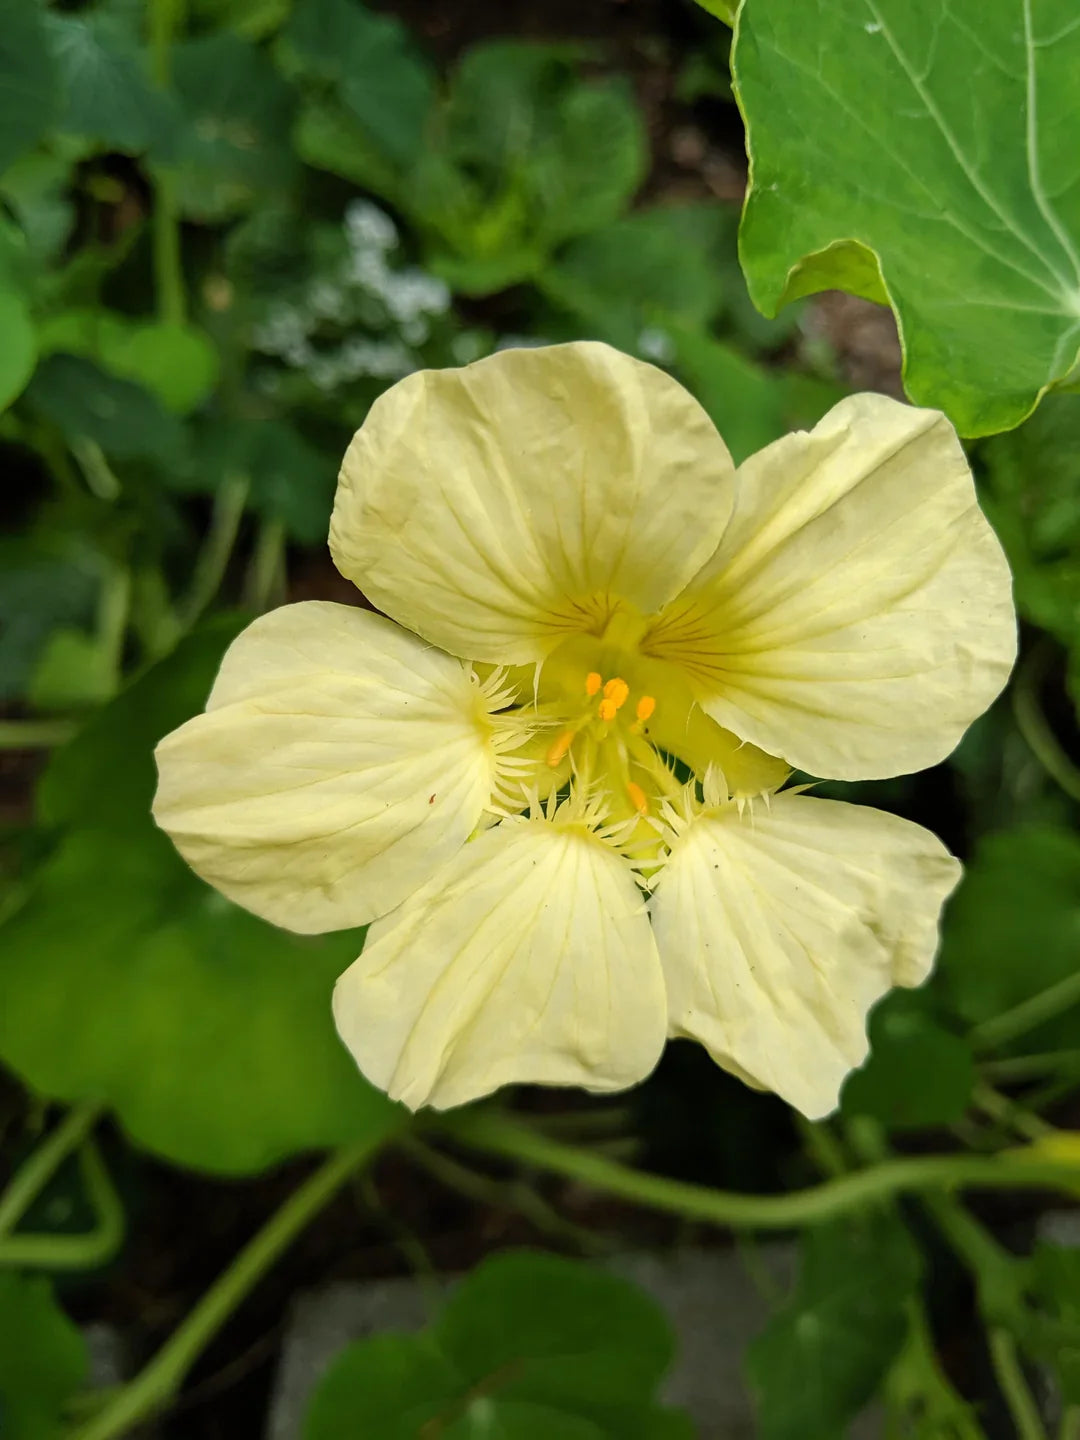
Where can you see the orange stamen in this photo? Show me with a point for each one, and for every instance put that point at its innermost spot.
(637, 797)
(607, 709)
(593, 681)
(559, 749)
(616, 690)
(645, 707)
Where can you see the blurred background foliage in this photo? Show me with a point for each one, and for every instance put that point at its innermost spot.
(225, 227)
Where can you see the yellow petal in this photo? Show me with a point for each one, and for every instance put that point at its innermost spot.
(495, 508)
(340, 762)
(778, 930)
(857, 615)
(529, 959)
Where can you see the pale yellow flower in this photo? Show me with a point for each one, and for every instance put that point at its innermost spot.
(582, 592)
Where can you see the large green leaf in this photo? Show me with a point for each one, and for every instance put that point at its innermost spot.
(528, 1347)
(42, 1359)
(29, 97)
(821, 1357)
(107, 95)
(1013, 930)
(85, 402)
(383, 80)
(233, 141)
(126, 979)
(649, 270)
(923, 153)
(918, 1073)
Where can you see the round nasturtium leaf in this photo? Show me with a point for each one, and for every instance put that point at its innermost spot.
(18, 346)
(29, 92)
(42, 1359)
(129, 981)
(924, 155)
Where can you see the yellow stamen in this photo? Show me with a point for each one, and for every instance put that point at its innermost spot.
(593, 681)
(559, 749)
(645, 707)
(616, 690)
(637, 797)
(607, 709)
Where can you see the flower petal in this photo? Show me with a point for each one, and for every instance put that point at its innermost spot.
(340, 762)
(778, 930)
(529, 959)
(857, 615)
(495, 508)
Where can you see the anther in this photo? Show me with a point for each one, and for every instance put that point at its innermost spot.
(559, 749)
(593, 681)
(637, 797)
(645, 707)
(616, 690)
(607, 709)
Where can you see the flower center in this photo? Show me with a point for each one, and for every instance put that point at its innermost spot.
(604, 738)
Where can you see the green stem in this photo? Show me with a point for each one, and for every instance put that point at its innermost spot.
(1002, 1029)
(1032, 723)
(213, 559)
(97, 472)
(1032, 1067)
(35, 734)
(155, 1385)
(998, 1273)
(36, 1172)
(1014, 1387)
(88, 1251)
(266, 566)
(166, 18)
(1007, 1112)
(501, 1135)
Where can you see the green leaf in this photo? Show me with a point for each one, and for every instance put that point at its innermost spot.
(233, 144)
(648, 271)
(723, 9)
(745, 402)
(918, 1073)
(290, 480)
(384, 82)
(528, 1347)
(1012, 930)
(822, 1356)
(1031, 494)
(126, 979)
(36, 188)
(177, 363)
(866, 152)
(42, 1359)
(106, 92)
(46, 583)
(29, 97)
(84, 401)
(18, 352)
(530, 156)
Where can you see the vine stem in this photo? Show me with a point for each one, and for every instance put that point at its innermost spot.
(1033, 726)
(86, 1251)
(1014, 1387)
(166, 18)
(161, 1378)
(213, 558)
(1001, 1029)
(35, 734)
(501, 1135)
(32, 1177)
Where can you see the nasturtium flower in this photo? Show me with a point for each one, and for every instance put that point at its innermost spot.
(551, 771)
